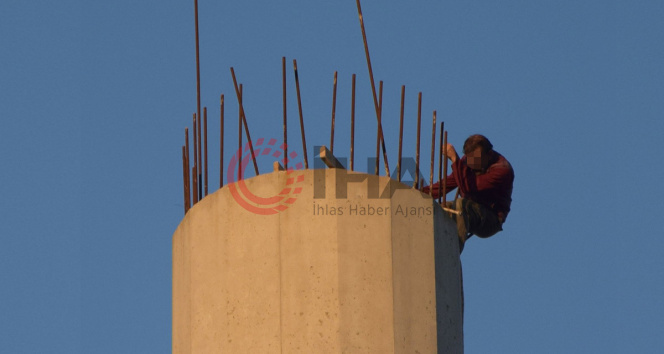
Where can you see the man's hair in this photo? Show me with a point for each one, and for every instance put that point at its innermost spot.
(475, 141)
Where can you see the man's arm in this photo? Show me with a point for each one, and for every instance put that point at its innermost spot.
(451, 153)
(451, 182)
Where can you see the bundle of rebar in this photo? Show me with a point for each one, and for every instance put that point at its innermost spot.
(195, 175)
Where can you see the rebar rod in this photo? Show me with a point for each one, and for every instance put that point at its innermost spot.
(452, 211)
(352, 126)
(221, 142)
(198, 98)
(198, 76)
(403, 94)
(186, 144)
(299, 106)
(417, 150)
(199, 166)
(444, 181)
(184, 180)
(194, 172)
(243, 118)
(187, 167)
(433, 153)
(195, 146)
(205, 136)
(188, 183)
(380, 113)
(283, 81)
(334, 106)
(239, 126)
(373, 85)
(382, 138)
(440, 163)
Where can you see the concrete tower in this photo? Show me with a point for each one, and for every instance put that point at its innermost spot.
(342, 262)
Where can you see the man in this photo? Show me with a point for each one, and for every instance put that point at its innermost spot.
(484, 178)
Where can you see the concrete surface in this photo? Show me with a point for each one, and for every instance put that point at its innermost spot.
(338, 271)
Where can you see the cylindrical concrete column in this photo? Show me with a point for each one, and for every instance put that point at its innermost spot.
(352, 263)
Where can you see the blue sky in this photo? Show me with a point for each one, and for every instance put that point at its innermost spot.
(95, 98)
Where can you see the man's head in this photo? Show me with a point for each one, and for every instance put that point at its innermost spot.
(478, 151)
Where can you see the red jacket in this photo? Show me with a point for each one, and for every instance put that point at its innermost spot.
(492, 188)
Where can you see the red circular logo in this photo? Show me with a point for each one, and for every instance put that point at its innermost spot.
(259, 204)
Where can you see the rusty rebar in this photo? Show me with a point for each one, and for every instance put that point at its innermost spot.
(239, 150)
(403, 94)
(198, 104)
(221, 142)
(283, 81)
(373, 85)
(417, 150)
(382, 138)
(445, 171)
(334, 106)
(199, 166)
(440, 163)
(299, 106)
(186, 144)
(243, 118)
(185, 171)
(198, 76)
(378, 135)
(188, 182)
(194, 172)
(195, 146)
(205, 136)
(352, 125)
(433, 153)
(187, 167)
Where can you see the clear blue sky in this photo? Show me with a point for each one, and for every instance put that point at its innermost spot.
(96, 95)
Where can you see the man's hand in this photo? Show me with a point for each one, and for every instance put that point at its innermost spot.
(451, 153)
